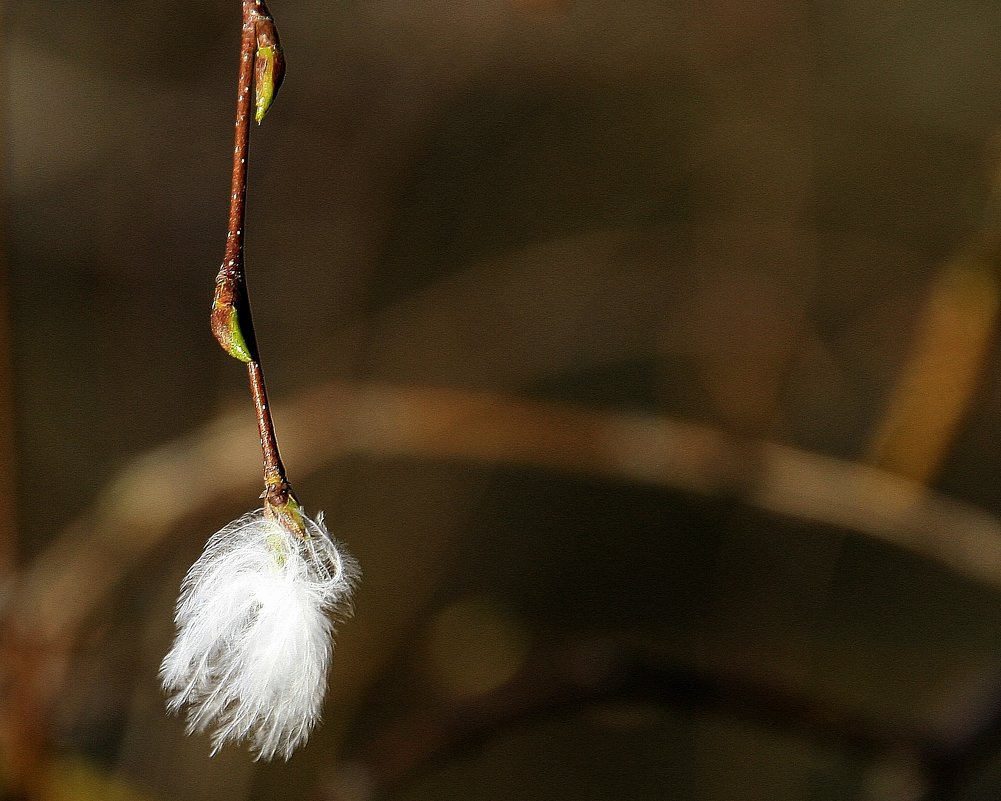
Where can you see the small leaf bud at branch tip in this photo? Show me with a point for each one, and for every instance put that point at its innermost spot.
(269, 67)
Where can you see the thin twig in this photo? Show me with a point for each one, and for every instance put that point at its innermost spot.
(232, 319)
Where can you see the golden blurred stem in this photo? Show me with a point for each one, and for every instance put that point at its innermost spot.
(8, 516)
(23, 741)
(942, 372)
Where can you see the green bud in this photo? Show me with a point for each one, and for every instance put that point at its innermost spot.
(269, 71)
(227, 332)
(225, 321)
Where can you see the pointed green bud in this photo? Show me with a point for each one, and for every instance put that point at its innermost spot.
(226, 327)
(225, 321)
(269, 67)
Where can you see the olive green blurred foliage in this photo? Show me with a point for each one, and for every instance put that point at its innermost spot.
(725, 212)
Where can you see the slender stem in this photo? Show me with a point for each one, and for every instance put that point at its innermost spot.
(231, 289)
(232, 266)
(274, 469)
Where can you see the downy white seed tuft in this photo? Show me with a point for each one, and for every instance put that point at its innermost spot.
(255, 622)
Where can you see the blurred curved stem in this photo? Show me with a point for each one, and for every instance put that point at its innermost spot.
(338, 419)
(214, 465)
(554, 682)
(22, 733)
(952, 343)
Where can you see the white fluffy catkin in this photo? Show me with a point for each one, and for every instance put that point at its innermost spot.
(255, 623)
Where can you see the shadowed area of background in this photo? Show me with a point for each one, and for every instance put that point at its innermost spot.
(644, 353)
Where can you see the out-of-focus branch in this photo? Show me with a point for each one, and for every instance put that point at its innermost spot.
(8, 515)
(952, 342)
(215, 463)
(594, 673)
(19, 733)
(942, 372)
(53, 598)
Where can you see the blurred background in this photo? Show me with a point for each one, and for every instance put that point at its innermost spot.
(644, 353)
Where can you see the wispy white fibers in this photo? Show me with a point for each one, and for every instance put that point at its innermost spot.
(254, 633)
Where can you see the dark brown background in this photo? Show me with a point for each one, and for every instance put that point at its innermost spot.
(643, 352)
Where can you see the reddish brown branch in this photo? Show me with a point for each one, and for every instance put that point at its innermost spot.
(232, 320)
